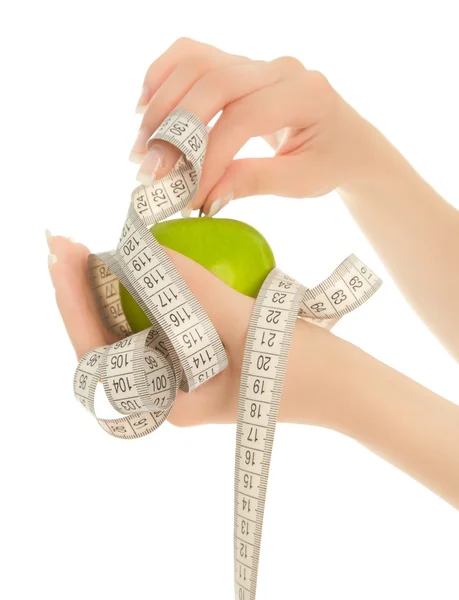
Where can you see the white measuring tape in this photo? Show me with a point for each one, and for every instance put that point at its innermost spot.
(143, 372)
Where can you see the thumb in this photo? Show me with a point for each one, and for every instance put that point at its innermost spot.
(253, 177)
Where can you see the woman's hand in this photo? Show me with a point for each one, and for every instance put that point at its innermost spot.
(321, 142)
(382, 409)
(216, 400)
(229, 311)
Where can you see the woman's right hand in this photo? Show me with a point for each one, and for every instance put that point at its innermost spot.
(213, 402)
(321, 143)
(216, 400)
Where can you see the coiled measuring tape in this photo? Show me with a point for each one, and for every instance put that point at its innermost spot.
(143, 372)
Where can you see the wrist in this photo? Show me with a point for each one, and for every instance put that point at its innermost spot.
(372, 161)
(306, 395)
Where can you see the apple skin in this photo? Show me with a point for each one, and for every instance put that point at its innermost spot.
(233, 251)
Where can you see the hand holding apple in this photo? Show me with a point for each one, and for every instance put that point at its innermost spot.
(229, 310)
(233, 251)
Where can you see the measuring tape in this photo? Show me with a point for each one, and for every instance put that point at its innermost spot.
(143, 372)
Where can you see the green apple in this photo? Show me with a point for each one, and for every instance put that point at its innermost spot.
(233, 251)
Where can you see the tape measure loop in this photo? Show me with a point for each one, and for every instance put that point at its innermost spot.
(142, 373)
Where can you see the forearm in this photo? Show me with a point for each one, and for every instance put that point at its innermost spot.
(334, 384)
(414, 231)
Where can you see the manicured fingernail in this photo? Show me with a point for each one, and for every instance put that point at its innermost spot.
(186, 212)
(219, 203)
(282, 136)
(139, 149)
(52, 260)
(49, 237)
(150, 165)
(136, 157)
(143, 100)
(214, 207)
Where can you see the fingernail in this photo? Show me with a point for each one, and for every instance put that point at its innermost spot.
(219, 203)
(282, 136)
(214, 207)
(186, 212)
(139, 149)
(52, 260)
(49, 237)
(72, 239)
(150, 165)
(143, 100)
(136, 157)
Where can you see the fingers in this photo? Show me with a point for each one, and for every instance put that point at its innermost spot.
(79, 312)
(167, 80)
(74, 297)
(254, 177)
(226, 308)
(215, 90)
(275, 139)
(162, 156)
(169, 94)
(203, 86)
(183, 48)
(294, 104)
(266, 110)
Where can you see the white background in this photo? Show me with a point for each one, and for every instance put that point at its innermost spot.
(87, 516)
